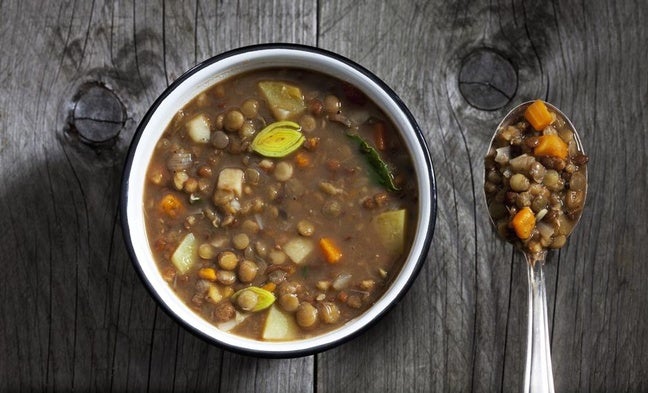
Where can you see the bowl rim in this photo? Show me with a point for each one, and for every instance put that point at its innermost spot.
(276, 353)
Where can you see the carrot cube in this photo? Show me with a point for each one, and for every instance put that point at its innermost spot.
(332, 253)
(523, 223)
(538, 115)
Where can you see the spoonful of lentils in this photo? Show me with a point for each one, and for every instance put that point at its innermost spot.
(535, 184)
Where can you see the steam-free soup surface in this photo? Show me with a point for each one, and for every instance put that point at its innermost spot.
(280, 204)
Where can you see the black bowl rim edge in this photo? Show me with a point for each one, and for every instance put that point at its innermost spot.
(127, 169)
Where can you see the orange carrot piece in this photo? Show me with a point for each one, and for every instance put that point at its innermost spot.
(207, 273)
(269, 286)
(379, 136)
(332, 253)
(523, 223)
(538, 115)
(171, 205)
(302, 160)
(551, 145)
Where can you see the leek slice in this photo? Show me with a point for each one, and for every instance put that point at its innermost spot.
(265, 298)
(278, 139)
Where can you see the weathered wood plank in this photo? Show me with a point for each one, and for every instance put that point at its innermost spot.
(127, 343)
(76, 316)
(480, 306)
(600, 325)
(428, 344)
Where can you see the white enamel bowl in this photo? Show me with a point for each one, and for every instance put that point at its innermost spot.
(221, 67)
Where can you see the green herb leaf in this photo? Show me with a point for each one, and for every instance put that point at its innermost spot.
(385, 176)
(304, 271)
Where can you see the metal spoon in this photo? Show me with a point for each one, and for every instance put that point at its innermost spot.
(538, 372)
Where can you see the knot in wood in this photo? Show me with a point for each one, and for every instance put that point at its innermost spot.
(487, 80)
(98, 114)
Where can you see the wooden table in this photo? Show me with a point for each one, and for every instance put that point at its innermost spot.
(76, 77)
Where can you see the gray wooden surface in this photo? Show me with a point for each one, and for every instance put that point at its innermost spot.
(74, 315)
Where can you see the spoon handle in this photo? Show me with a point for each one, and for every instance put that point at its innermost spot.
(538, 376)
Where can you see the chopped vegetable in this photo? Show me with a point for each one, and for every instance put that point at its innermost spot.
(342, 281)
(279, 325)
(227, 291)
(186, 254)
(332, 253)
(231, 179)
(265, 298)
(385, 176)
(193, 198)
(523, 223)
(171, 205)
(379, 135)
(278, 139)
(302, 160)
(214, 294)
(551, 145)
(269, 286)
(179, 161)
(390, 227)
(298, 249)
(198, 129)
(286, 101)
(503, 154)
(207, 273)
(538, 115)
(234, 322)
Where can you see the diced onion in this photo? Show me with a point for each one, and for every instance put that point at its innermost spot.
(341, 281)
(179, 161)
(546, 230)
(232, 323)
(503, 154)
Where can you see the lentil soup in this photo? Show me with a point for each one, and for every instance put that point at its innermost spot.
(536, 179)
(280, 203)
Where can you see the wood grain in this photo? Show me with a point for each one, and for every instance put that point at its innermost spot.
(77, 317)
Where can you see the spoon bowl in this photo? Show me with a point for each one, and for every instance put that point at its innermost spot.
(535, 186)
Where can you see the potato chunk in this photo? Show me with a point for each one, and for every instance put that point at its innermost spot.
(279, 325)
(390, 227)
(298, 249)
(198, 129)
(231, 179)
(286, 101)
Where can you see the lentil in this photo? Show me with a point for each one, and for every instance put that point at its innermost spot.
(306, 315)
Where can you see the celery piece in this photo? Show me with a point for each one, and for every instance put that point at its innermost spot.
(286, 101)
(390, 227)
(185, 255)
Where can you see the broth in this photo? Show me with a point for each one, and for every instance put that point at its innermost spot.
(280, 203)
